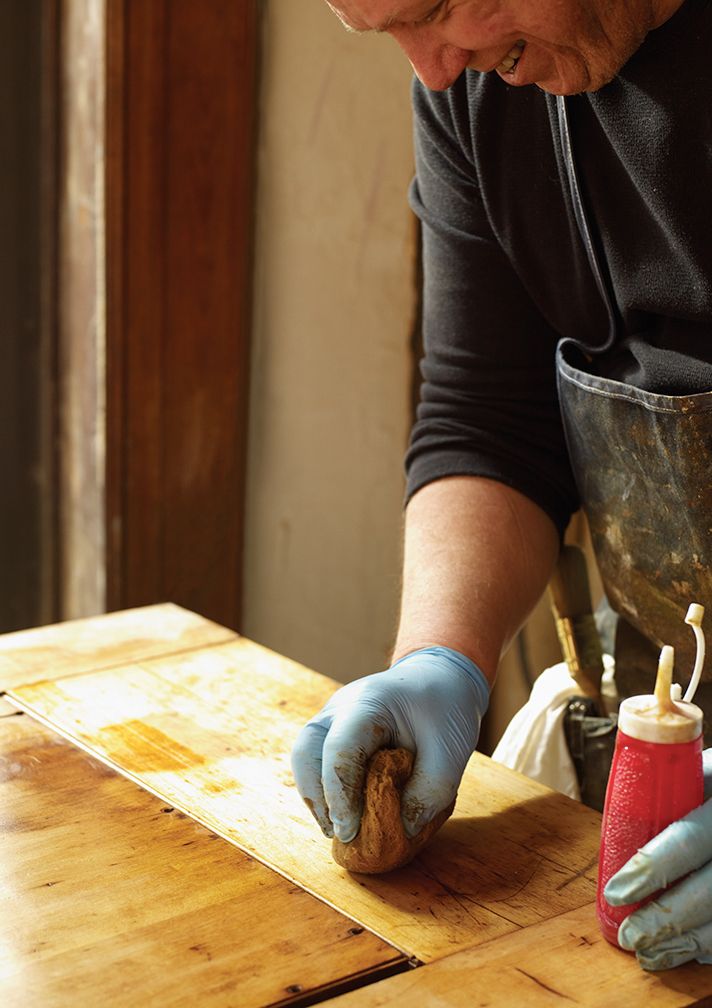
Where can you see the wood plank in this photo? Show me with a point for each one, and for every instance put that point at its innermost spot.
(211, 733)
(116, 638)
(565, 959)
(112, 898)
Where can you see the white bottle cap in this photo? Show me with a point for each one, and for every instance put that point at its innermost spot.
(662, 716)
(640, 717)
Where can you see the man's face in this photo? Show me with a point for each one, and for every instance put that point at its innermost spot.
(569, 45)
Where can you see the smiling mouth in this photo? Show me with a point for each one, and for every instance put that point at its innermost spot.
(509, 63)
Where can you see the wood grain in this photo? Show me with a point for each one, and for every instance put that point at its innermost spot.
(211, 732)
(180, 116)
(78, 646)
(112, 898)
(561, 961)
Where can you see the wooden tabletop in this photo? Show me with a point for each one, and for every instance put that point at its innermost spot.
(563, 961)
(111, 897)
(157, 890)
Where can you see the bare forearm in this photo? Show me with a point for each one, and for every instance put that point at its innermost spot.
(478, 555)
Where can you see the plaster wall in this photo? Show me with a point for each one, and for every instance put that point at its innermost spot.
(334, 312)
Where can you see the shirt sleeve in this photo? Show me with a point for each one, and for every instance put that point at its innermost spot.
(488, 404)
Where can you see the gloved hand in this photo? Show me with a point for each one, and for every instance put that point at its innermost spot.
(677, 926)
(430, 702)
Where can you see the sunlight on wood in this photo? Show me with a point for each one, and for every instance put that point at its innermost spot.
(111, 898)
(210, 732)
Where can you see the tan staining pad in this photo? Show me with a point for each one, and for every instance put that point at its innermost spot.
(381, 843)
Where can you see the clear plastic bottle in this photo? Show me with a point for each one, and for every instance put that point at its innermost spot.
(656, 777)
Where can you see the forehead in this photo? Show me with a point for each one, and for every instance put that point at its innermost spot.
(378, 15)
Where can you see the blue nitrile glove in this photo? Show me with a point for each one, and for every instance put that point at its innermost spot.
(430, 702)
(677, 926)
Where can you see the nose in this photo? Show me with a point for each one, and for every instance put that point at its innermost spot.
(437, 64)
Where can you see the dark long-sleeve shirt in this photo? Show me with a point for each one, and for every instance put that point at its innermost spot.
(505, 271)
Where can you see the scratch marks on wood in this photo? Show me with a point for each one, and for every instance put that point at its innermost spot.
(579, 874)
(540, 983)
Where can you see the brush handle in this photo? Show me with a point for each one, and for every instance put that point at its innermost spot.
(570, 596)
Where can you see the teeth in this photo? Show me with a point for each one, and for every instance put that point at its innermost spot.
(510, 60)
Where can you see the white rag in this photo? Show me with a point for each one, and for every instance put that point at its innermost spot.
(534, 743)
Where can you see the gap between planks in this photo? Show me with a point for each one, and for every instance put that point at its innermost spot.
(193, 814)
(209, 733)
(357, 982)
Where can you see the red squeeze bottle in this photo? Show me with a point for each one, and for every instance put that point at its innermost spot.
(656, 777)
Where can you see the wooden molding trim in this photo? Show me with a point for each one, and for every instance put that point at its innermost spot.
(81, 311)
(180, 92)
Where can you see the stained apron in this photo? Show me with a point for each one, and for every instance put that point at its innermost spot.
(643, 466)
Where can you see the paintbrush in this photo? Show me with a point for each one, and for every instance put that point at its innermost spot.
(570, 596)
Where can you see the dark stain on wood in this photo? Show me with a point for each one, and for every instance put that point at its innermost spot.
(138, 746)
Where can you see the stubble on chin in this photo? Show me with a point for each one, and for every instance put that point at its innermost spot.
(621, 35)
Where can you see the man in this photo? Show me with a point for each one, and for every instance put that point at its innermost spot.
(568, 341)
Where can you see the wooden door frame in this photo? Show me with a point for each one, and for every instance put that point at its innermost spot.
(81, 286)
(151, 504)
(28, 244)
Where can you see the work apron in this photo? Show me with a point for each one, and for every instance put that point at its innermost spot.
(643, 466)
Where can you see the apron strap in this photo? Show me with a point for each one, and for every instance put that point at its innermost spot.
(602, 278)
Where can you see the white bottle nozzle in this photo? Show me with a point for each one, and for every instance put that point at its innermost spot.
(694, 619)
(663, 680)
